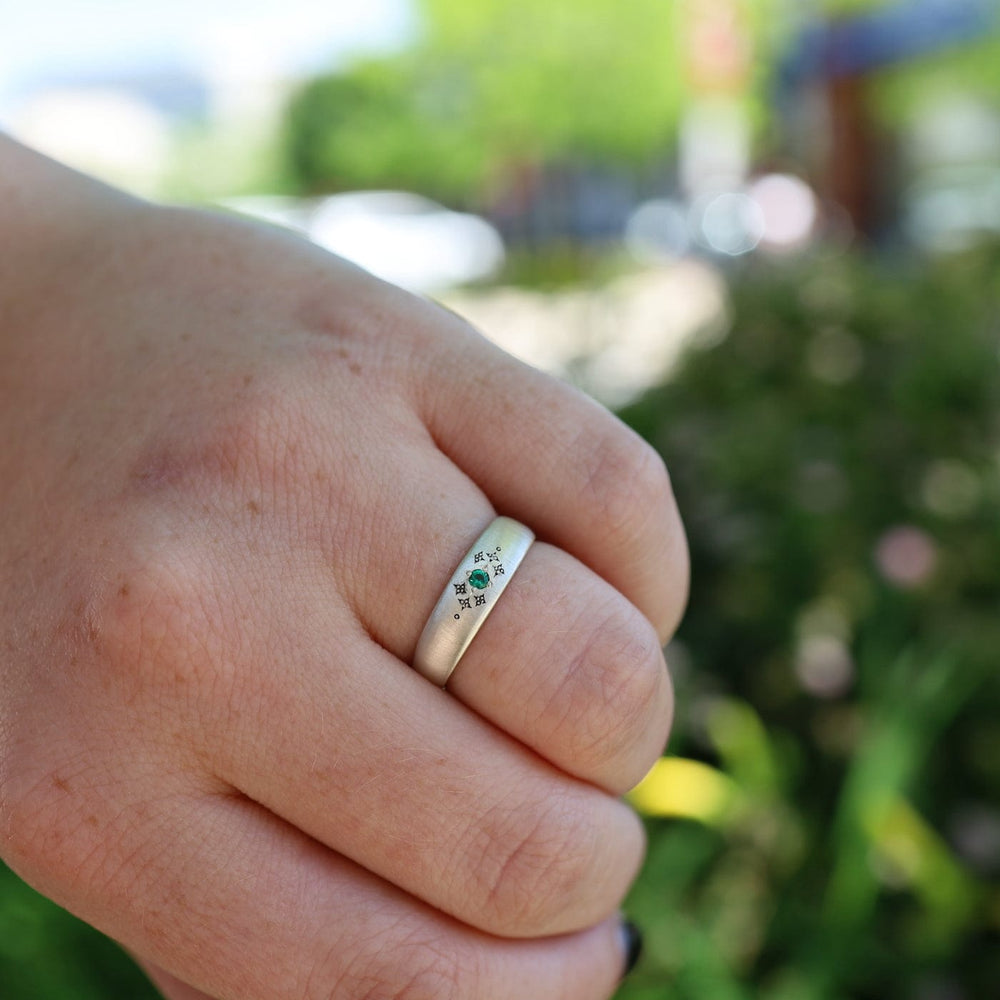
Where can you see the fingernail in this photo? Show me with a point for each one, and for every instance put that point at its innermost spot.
(631, 945)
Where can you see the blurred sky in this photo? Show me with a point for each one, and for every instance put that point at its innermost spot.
(56, 40)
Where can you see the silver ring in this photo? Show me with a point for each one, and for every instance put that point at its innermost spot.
(472, 593)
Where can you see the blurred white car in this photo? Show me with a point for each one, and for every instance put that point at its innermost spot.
(407, 239)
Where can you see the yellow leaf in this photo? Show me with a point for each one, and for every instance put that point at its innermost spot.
(686, 789)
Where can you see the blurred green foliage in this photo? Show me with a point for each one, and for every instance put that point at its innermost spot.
(488, 86)
(567, 77)
(388, 122)
(837, 459)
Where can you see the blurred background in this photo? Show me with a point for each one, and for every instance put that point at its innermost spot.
(767, 232)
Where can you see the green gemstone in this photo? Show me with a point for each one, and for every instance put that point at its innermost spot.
(479, 579)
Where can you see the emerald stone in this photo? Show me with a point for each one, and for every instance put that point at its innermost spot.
(479, 579)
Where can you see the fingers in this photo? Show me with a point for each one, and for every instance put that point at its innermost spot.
(557, 461)
(250, 908)
(306, 715)
(564, 664)
(393, 773)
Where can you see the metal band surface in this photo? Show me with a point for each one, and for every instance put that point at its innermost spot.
(472, 593)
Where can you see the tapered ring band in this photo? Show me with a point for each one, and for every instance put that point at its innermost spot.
(471, 594)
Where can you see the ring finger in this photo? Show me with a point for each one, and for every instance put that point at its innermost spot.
(564, 663)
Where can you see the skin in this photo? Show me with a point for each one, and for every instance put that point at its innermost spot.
(236, 473)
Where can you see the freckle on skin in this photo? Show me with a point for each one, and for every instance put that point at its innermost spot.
(247, 379)
(354, 368)
(123, 590)
(61, 783)
(253, 507)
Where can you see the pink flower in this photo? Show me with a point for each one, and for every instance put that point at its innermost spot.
(906, 556)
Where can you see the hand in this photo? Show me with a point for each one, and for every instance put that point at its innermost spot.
(236, 475)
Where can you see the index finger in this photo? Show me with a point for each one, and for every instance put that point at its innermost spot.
(551, 457)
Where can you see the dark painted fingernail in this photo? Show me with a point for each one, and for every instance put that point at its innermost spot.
(632, 938)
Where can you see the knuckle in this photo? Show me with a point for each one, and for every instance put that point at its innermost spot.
(534, 865)
(151, 633)
(157, 622)
(417, 968)
(612, 707)
(629, 482)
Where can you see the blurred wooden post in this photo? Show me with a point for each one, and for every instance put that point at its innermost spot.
(852, 169)
(853, 48)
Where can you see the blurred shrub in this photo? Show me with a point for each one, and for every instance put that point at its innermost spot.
(837, 461)
(393, 122)
(486, 93)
